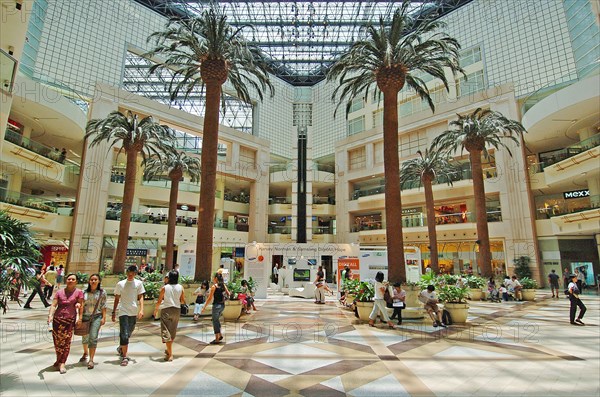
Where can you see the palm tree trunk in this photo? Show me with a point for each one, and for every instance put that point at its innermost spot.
(128, 194)
(433, 249)
(393, 202)
(485, 256)
(208, 182)
(175, 177)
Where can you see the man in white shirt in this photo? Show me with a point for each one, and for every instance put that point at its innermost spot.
(429, 299)
(129, 300)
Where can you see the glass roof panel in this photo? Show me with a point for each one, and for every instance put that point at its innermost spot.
(302, 38)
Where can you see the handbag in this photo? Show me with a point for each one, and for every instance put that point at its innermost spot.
(184, 309)
(84, 327)
(200, 299)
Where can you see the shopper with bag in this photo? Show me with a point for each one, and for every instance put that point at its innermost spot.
(66, 311)
(94, 316)
(398, 302)
(170, 301)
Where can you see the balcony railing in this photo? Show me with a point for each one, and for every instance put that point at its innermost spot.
(556, 156)
(279, 230)
(280, 200)
(34, 202)
(562, 208)
(51, 153)
(183, 186)
(420, 220)
(459, 176)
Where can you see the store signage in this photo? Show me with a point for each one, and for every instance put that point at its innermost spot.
(411, 211)
(58, 248)
(576, 194)
(137, 252)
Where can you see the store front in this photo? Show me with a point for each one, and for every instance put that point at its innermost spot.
(461, 257)
(55, 255)
(140, 252)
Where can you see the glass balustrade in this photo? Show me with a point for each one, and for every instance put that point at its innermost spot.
(549, 206)
(420, 220)
(280, 200)
(279, 230)
(459, 176)
(34, 202)
(51, 153)
(556, 156)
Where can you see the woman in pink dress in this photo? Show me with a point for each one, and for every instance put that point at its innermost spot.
(63, 316)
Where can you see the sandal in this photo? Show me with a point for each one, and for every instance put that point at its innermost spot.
(90, 365)
(83, 358)
(125, 362)
(215, 342)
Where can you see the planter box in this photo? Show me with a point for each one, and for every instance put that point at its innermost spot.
(350, 299)
(364, 309)
(188, 291)
(414, 308)
(149, 309)
(458, 311)
(233, 310)
(110, 280)
(475, 294)
(528, 294)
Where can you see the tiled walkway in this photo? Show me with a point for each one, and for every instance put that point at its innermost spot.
(292, 347)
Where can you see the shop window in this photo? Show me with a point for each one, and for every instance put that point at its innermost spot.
(366, 222)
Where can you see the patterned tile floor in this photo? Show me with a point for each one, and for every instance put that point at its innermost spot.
(292, 347)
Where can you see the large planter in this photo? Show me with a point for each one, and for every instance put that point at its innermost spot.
(458, 311)
(528, 294)
(188, 291)
(350, 299)
(110, 280)
(149, 306)
(414, 308)
(364, 309)
(233, 310)
(475, 294)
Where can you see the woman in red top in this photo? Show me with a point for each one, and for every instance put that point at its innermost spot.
(63, 315)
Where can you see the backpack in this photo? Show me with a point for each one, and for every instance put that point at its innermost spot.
(446, 317)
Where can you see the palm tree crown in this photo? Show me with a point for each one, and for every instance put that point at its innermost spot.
(207, 47)
(144, 136)
(476, 130)
(386, 60)
(434, 165)
(172, 161)
(390, 56)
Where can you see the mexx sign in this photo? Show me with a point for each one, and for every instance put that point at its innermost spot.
(576, 194)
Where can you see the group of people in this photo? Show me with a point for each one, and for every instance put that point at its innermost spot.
(510, 288)
(46, 279)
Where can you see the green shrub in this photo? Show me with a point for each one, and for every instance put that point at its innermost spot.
(528, 283)
(365, 291)
(82, 278)
(522, 267)
(152, 289)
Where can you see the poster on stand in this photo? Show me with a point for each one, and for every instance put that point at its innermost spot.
(353, 263)
(187, 265)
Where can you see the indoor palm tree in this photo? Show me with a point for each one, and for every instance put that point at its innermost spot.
(474, 132)
(18, 254)
(135, 136)
(388, 59)
(175, 165)
(424, 169)
(203, 53)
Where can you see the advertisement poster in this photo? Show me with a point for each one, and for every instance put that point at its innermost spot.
(354, 265)
(187, 265)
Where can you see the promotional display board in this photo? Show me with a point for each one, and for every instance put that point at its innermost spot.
(374, 261)
(352, 263)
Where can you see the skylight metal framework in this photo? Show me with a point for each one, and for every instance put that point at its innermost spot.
(302, 38)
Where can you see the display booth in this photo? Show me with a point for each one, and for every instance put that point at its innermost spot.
(299, 264)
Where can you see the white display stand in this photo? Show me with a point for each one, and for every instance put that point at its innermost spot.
(373, 261)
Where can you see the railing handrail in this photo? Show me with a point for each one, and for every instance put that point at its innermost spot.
(28, 201)
(31, 145)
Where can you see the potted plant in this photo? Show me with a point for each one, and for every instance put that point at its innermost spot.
(475, 285)
(233, 306)
(529, 287)
(365, 293)
(454, 299)
(350, 286)
(152, 291)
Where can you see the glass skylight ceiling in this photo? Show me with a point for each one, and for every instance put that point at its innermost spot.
(302, 38)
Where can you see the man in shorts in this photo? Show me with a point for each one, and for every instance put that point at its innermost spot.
(129, 300)
(429, 299)
(553, 281)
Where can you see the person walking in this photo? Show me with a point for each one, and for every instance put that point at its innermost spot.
(319, 288)
(65, 313)
(39, 282)
(170, 299)
(566, 278)
(50, 277)
(574, 292)
(553, 281)
(129, 301)
(217, 292)
(60, 273)
(94, 311)
(379, 304)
